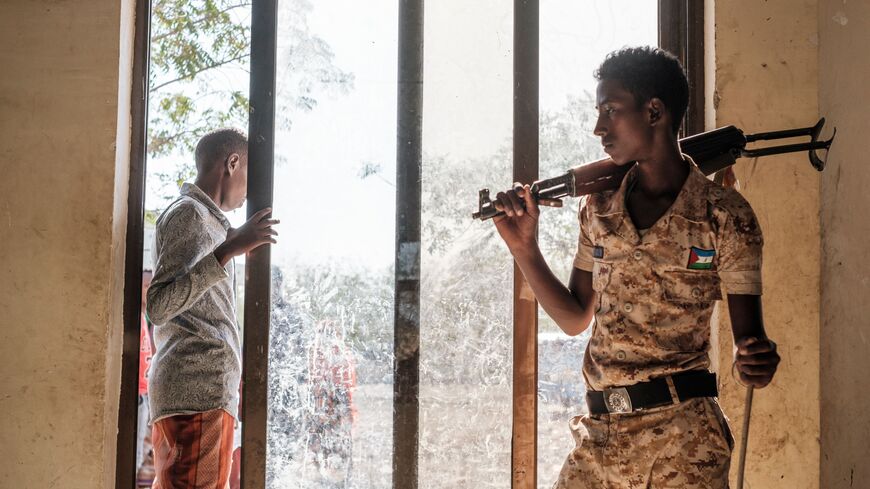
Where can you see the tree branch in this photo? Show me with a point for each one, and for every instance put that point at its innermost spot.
(200, 20)
(204, 68)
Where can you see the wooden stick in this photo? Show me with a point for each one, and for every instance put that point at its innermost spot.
(744, 440)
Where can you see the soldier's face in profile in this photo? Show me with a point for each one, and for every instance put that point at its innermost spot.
(622, 124)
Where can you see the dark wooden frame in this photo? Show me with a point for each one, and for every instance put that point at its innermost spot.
(258, 273)
(681, 26)
(681, 31)
(524, 429)
(125, 468)
(409, 189)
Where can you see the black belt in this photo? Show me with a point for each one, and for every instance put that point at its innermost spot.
(653, 393)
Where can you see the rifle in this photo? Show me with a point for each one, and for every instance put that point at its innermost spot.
(712, 151)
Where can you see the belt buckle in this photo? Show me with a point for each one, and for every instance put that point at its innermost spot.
(617, 400)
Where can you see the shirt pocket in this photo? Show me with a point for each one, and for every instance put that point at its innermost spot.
(691, 286)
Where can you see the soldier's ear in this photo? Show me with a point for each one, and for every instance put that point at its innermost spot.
(656, 111)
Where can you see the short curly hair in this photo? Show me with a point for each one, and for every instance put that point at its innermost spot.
(217, 145)
(648, 72)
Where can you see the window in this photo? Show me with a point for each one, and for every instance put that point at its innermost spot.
(399, 352)
(331, 338)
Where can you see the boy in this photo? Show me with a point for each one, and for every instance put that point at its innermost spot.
(652, 258)
(195, 374)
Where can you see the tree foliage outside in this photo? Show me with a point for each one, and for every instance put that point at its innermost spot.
(465, 323)
(199, 74)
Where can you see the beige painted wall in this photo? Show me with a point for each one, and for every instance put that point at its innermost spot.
(844, 97)
(64, 87)
(63, 190)
(766, 79)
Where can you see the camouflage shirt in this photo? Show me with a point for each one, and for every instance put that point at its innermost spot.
(656, 292)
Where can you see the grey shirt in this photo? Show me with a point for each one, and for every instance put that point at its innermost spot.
(191, 302)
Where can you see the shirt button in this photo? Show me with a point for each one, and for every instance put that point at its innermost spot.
(627, 307)
(696, 293)
(637, 255)
(620, 355)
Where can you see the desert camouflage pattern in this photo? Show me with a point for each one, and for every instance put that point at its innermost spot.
(654, 302)
(687, 445)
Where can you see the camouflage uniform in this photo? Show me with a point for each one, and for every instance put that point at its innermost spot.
(655, 296)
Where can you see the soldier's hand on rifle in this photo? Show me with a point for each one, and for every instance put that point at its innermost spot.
(756, 360)
(518, 224)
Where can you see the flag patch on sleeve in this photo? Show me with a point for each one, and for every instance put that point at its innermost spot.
(701, 259)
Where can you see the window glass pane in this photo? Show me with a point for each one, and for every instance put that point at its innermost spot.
(466, 289)
(575, 38)
(330, 385)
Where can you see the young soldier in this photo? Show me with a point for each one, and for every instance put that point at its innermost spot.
(195, 374)
(653, 258)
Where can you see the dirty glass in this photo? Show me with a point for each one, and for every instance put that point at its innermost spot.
(466, 281)
(575, 37)
(331, 338)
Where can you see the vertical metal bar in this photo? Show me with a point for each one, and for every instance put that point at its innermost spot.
(261, 158)
(406, 364)
(525, 165)
(125, 469)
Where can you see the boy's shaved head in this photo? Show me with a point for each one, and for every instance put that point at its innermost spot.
(648, 72)
(216, 145)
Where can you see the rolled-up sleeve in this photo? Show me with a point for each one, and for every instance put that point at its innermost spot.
(740, 249)
(185, 265)
(583, 259)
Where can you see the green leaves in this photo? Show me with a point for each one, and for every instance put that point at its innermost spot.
(199, 74)
(190, 37)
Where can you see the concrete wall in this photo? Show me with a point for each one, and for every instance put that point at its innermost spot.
(64, 141)
(844, 97)
(766, 79)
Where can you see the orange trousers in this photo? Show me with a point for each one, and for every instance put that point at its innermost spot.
(193, 451)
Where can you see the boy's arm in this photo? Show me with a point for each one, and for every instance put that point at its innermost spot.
(179, 279)
(756, 357)
(570, 307)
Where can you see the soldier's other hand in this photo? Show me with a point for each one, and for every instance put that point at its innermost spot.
(756, 361)
(518, 224)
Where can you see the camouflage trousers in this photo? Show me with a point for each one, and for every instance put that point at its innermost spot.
(686, 445)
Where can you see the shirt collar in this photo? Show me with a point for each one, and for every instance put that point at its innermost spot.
(194, 192)
(689, 204)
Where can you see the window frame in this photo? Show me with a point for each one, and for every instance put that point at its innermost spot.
(128, 402)
(681, 31)
(409, 196)
(258, 275)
